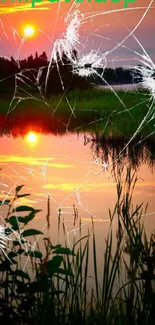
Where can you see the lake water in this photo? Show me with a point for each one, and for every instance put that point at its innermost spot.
(125, 87)
(76, 173)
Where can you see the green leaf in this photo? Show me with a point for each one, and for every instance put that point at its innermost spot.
(39, 286)
(13, 222)
(63, 271)
(36, 254)
(22, 208)
(22, 287)
(56, 246)
(17, 242)
(63, 251)
(21, 274)
(20, 251)
(22, 195)
(28, 218)
(24, 220)
(8, 231)
(18, 188)
(12, 254)
(53, 265)
(5, 266)
(6, 202)
(31, 232)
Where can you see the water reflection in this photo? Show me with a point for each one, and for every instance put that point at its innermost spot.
(31, 137)
(116, 150)
(76, 172)
(109, 149)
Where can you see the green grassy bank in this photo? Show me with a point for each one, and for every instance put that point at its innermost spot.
(119, 113)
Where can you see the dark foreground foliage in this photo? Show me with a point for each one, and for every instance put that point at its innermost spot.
(52, 286)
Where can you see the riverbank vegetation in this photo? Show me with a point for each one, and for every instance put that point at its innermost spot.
(118, 113)
(30, 74)
(50, 285)
(54, 93)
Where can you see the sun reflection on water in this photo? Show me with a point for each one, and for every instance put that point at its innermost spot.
(31, 137)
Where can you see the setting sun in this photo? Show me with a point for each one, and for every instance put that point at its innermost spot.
(31, 137)
(29, 31)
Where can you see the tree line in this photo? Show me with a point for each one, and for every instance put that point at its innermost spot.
(31, 72)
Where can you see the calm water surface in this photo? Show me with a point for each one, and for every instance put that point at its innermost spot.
(126, 87)
(71, 174)
(70, 170)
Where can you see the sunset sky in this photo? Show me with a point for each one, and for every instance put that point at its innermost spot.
(102, 32)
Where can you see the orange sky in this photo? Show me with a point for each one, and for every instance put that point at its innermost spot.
(102, 31)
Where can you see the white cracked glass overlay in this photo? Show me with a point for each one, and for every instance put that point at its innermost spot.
(84, 65)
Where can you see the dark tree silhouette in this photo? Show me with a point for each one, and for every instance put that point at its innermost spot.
(60, 77)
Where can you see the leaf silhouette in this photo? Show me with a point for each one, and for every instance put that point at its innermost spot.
(31, 232)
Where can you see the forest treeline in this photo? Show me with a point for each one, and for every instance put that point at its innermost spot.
(31, 73)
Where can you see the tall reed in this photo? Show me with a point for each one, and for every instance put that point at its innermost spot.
(53, 287)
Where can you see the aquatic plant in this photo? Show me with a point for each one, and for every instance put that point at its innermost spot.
(50, 285)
